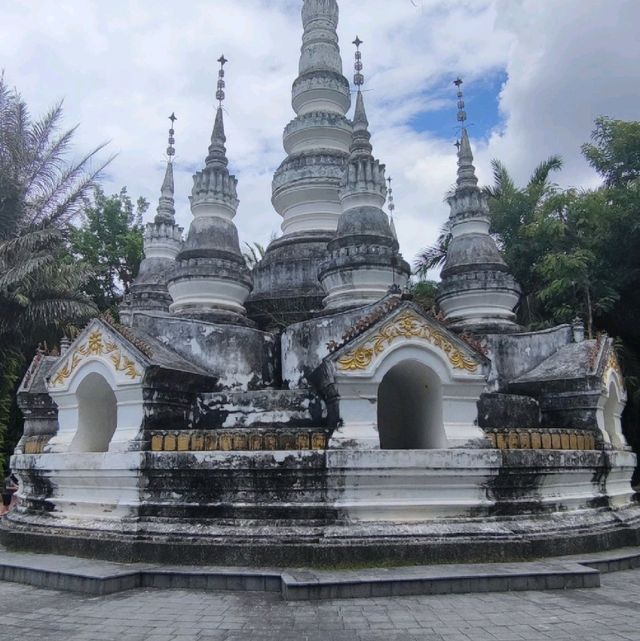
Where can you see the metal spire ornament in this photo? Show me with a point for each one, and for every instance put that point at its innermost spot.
(220, 95)
(171, 150)
(358, 77)
(392, 205)
(217, 150)
(462, 114)
(392, 209)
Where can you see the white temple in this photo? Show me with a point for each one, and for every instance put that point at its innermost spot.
(308, 410)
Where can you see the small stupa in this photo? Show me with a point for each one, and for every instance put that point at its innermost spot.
(365, 262)
(477, 292)
(211, 280)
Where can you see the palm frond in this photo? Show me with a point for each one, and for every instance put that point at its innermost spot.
(541, 173)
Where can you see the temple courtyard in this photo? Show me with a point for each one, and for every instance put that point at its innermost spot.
(608, 613)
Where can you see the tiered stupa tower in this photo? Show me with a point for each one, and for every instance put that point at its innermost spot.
(477, 292)
(211, 280)
(306, 187)
(162, 242)
(364, 259)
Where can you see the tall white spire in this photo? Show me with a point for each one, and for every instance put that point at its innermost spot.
(211, 280)
(305, 187)
(320, 50)
(477, 291)
(363, 262)
(166, 206)
(162, 242)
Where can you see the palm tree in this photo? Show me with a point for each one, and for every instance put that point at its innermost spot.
(41, 192)
(253, 254)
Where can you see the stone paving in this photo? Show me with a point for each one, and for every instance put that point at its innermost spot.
(610, 613)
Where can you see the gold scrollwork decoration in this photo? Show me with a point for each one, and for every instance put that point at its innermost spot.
(613, 364)
(407, 325)
(96, 346)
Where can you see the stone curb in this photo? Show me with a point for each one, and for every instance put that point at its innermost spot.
(102, 578)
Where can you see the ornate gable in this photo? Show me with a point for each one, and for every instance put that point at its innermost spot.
(405, 323)
(99, 342)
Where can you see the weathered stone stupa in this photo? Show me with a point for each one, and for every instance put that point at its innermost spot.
(330, 419)
(162, 242)
(364, 260)
(211, 280)
(306, 186)
(477, 293)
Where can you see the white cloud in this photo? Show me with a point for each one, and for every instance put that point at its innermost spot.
(124, 66)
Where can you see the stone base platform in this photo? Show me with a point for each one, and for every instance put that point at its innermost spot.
(324, 508)
(494, 540)
(101, 578)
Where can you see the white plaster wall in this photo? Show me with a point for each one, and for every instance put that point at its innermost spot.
(208, 293)
(572, 485)
(410, 485)
(98, 487)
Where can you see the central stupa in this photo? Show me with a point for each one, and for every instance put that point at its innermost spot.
(306, 186)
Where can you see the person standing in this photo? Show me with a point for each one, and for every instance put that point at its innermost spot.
(9, 493)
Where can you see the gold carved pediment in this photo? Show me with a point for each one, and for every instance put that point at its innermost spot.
(96, 344)
(613, 366)
(407, 325)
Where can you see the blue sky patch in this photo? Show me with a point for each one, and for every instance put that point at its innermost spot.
(481, 98)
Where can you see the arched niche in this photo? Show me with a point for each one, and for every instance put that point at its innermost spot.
(612, 411)
(446, 411)
(97, 410)
(97, 414)
(410, 408)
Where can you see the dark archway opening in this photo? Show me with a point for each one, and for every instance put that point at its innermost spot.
(97, 415)
(410, 409)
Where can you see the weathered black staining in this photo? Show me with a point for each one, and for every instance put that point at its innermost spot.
(269, 409)
(38, 490)
(508, 411)
(602, 471)
(516, 492)
(259, 487)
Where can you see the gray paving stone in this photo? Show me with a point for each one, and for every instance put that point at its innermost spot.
(608, 613)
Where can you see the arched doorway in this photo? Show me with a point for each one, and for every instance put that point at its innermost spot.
(410, 408)
(97, 415)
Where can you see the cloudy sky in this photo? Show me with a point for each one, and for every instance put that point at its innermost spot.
(537, 73)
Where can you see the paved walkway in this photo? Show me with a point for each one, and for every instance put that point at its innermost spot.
(609, 613)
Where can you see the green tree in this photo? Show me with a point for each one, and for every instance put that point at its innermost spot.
(41, 192)
(110, 240)
(615, 151)
(424, 294)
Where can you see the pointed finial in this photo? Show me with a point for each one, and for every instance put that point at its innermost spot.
(358, 78)
(392, 205)
(220, 95)
(171, 150)
(462, 114)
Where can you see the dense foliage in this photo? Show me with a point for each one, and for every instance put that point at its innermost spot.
(110, 241)
(41, 191)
